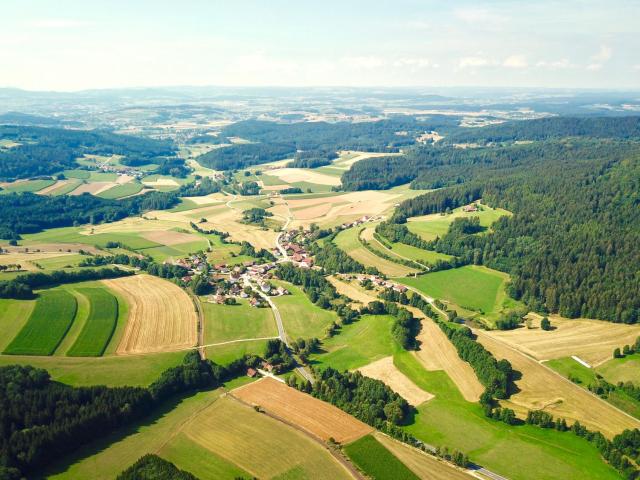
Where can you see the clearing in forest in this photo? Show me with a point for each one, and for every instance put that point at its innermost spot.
(438, 353)
(385, 371)
(542, 388)
(319, 418)
(260, 445)
(162, 317)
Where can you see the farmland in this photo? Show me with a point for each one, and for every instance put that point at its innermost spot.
(99, 326)
(48, 323)
(376, 461)
(161, 316)
(625, 369)
(320, 419)
(236, 322)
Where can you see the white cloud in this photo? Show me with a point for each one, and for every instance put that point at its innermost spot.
(602, 56)
(414, 62)
(57, 23)
(515, 61)
(479, 16)
(472, 62)
(556, 64)
(366, 62)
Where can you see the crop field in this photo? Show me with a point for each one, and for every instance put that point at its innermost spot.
(47, 325)
(541, 388)
(27, 186)
(519, 453)
(99, 325)
(234, 322)
(13, 316)
(473, 288)
(420, 463)
(591, 340)
(28, 261)
(228, 352)
(162, 317)
(358, 344)
(300, 317)
(625, 369)
(353, 291)
(376, 461)
(123, 190)
(438, 353)
(62, 187)
(319, 418)
(385, 371)
(94, 188)
(436, 225)
(260, 445)
(349, 242)
(292, 175)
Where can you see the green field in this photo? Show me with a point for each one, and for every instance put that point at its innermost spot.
(227, 353)
(625, 369)
(358, 344)
(519, 453)
(48, 324)
(13, 316)
(433, 226)
(376, 461)
(99, 325)
(28, 186)
(419, 254)
(66, 188)
(59, 263)
(300, 317)
(161, 253)
(79, 174)
(569, 368)
(235, 322)
(119, 191)
(110, 370)
(73, 235)
(472, 288)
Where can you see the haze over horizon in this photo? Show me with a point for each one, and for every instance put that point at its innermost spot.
(73, 45)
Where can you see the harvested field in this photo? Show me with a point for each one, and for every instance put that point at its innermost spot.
(171, 237)
(319, 418)
(591, 340)
(56, 186)
(26, 260)
(292, 175)
(437, 353)
(542, 388)
(354, 292)
(162, 317)
(93, 188)
(385, 371)
(161, 182)
(420, 463)
(206, 199)
(122, 179)
(348, 158)
(53, 249)
(262, 446)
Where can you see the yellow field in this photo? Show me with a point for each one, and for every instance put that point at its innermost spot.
(93, 188)
(420, 463)
(320, 419)
(591, 340)
(348, 158)
(542, 388)
(385, 371)
(263, 446)
(437, 353)
(353, 291)
(162, 317)
(25, 260)
(292, 175)
(171, 237)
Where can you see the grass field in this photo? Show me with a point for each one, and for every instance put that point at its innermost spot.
(385, 371)
(358, 344)
(111, 370)
(420, 463)
(349, 242)
(300, 317)
(99, 326)
(519, 453)
(225, 354)
(123, 190)
(27, 186)
(472, 288)
(625, 369)
(234, 322)
(319, 418)
(415, 253)
(376, 461)
(48, 324)
(72, 235)
(13, 316)
(436, 225)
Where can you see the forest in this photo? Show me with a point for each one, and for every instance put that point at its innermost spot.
(312, 159)
(571, 244)
(46, 151)
(242, 155)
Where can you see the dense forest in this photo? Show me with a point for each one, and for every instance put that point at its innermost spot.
(312, 159)
(30, 213)
(46, 151)
(242, 155)
(571, 244)
(152, 467)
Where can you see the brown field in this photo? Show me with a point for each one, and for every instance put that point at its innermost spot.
(542, 388)
(170, 237)
(161, 316)
(54, 248)
(292, 175)
(206, 199)
(353, 291)
(591, 340)
(123, 179)
(422, 464)
(93, 188)
(262, 446)
(437, 353)
(161, 182)
(148, 223)
(54, 187)
(385, 371)
(312, 415)
(25, 259)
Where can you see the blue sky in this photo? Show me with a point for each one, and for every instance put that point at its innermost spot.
(73, 44)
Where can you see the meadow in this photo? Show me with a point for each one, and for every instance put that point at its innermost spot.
(234, 322)
(27, 186)
(99, 325)
(48, 323)
(376, 461)
(625, 369)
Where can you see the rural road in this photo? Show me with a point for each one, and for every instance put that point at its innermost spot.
(200, 328)
(279, 245)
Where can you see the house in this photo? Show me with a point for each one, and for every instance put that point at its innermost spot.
(307, 262)
(251, 372)
(282, 291)
(248, 263)
(265, 287)
(297, 257)
(186, 278)
(470, 208)
(267, 366)
(400, 288)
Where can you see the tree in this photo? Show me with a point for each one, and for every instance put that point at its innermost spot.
(545, 324)
(616, 353)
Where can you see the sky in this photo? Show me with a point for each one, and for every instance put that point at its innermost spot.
(72, 45)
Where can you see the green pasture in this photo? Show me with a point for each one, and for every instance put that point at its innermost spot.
(99, 325)
(376, 461)
(236, 322)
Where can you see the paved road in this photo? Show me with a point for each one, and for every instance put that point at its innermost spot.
(279, 245)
